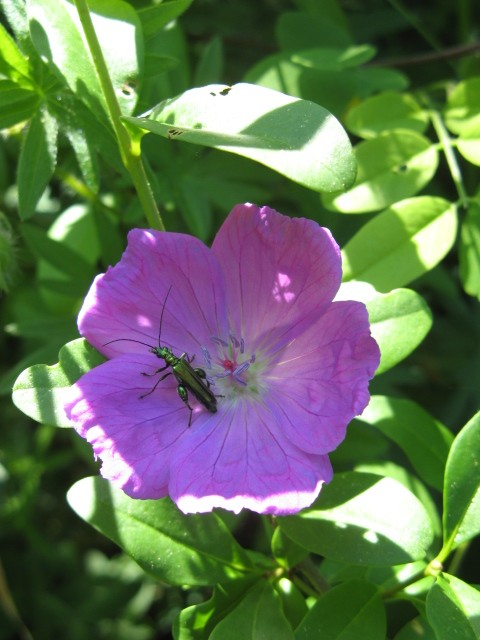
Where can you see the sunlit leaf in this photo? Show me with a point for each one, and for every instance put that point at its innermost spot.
(391, 167)
(363, 519)
(388, 110)
(470, 251)
(462, 485)
(401, 243)
(297, 138)
(349, 611)
(40, 390)
(424, 440)
(453, 609)
(172, 547)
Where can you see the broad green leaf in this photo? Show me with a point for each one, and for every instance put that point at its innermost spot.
(156, 17)
(388, 110)
(349, 611)
(468, 142)
(393, 166)
(401, 243)
(299, 139)
(399, 473)
(334, 59)
(258, 615)
(363, 519)
(16, 104)
(400, 320)
(470, 251)
(461, 517)
(198, 621)
(37, 161)
(58, 37)
(424, 440)
(453, 609)
(13, 64)
(462, 104)
(40, 390)
(416, 629)
(172, 547)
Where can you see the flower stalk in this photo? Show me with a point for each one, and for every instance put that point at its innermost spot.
(127, 146)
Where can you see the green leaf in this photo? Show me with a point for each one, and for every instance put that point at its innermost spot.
(172, 547)
(424, 440)
(297, 138)
(258, 615)
(159, 15)
(468, 142)
(400, 320)
(462, 104)
(363, 519)
(58, 37)
(37, 161)
(393, 166)
(388, 110)
(334, 59)
(39, 391)
(401, 243)
(453, 609)
(470, 251)
(13, 64)
(461, 517)
(292, 600)
(16, 104)
(198, 621)
(399, 473)
(349, 611)
(286, 552)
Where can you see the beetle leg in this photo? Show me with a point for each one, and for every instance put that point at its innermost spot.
(157, 382)
(183, 393)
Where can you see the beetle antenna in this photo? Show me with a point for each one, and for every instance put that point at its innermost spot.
(161, 316)
(128, 340)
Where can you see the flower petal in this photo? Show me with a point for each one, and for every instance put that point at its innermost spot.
(280, 272)
(321, 380)
(237, 462)
(133, 436)
(126, 302)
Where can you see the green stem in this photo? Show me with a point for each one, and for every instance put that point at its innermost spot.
(448, 146)
(129, 155)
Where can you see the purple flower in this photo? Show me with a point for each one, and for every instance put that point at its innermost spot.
(289, 367)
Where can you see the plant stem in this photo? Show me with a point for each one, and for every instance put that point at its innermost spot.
(130, 157)
(447, 146)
